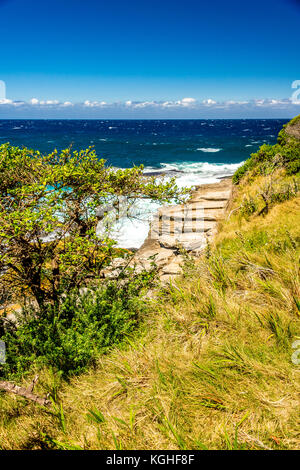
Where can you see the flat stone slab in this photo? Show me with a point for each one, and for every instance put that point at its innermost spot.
(208, 205)
(172, 268)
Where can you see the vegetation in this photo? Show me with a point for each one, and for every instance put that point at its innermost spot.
(210, 366)
(49, 206)
(50, 252)
(294, 121)
(285, 154)
(86, 325)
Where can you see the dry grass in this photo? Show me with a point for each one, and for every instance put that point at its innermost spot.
(210, 366)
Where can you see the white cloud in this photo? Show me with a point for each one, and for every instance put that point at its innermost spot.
(35, 102)
(232, 102)
(93, 104)
(6, 101)
(168, 104)
(283, 103)
(276, 102)
(90, 104)
(48, 102)
(144, 104)
(209, 102)
(204, 108)
(184, 102)
(187, 101)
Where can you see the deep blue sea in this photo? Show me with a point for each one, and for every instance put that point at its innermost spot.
(151, 142)
(195, 151)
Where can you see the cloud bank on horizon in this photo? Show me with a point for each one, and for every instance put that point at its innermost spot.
(185, 107)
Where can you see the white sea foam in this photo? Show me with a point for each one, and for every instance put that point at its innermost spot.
(208, 149)
(131, 233)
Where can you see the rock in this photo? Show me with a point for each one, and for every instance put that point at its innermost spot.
(172, 268)
(196, 246)
(163, 256)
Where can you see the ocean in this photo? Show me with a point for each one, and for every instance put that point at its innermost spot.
(195, 151)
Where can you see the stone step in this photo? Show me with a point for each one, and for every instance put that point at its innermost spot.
(209, 205)
(213, 198)
(224, 194)
(197, 227)
(167, 218)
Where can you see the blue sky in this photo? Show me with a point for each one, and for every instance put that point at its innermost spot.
(149, 58)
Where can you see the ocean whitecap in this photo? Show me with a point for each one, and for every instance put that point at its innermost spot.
(208, 149)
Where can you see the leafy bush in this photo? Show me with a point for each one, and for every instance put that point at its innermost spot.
(241, 171)
(286, 154)
(50, 207)
(274, 192)
(295, 120)
(86, 325)
(249, 207)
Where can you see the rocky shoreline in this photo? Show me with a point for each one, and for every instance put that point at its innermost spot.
(189, 226)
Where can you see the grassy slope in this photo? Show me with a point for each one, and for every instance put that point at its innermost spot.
(211, 365)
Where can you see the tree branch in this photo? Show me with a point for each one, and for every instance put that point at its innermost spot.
(24, 392)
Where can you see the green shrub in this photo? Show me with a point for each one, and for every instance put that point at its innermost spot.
(249, 207)
(295, 120)
(282, 136)
(286, 154)
(241, 171)
(86, 325)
